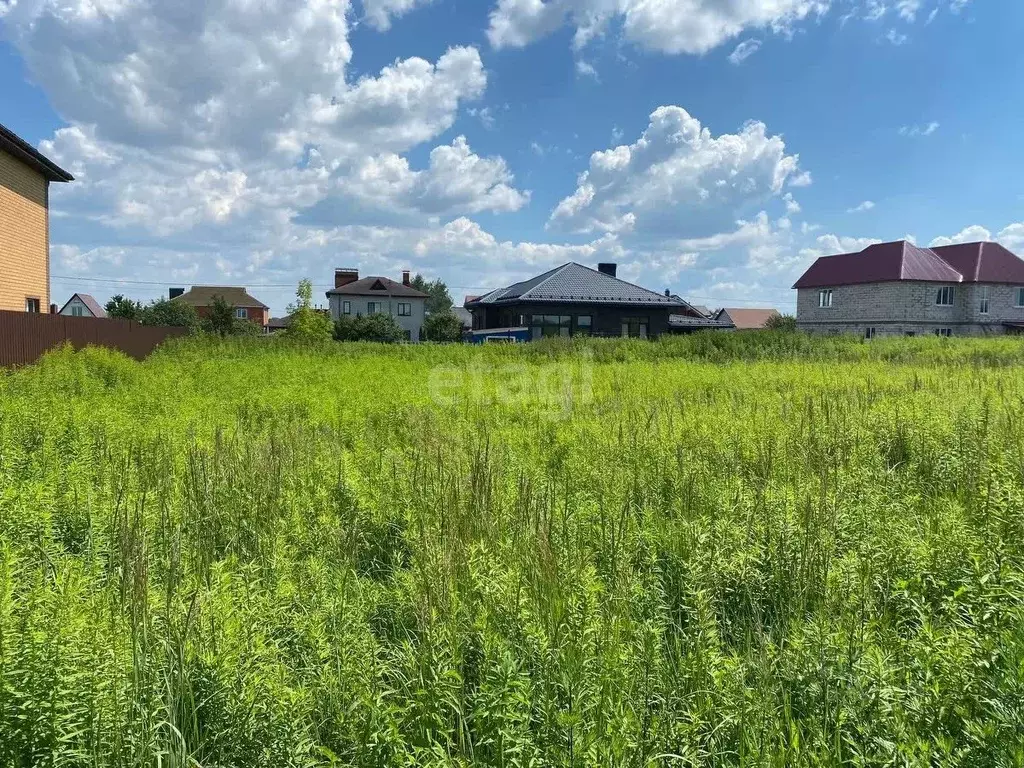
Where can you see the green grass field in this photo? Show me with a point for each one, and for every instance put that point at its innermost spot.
(716, 550)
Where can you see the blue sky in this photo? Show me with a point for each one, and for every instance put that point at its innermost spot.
(714, 147)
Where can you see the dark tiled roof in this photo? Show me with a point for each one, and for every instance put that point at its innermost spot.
(91, 304)
(746, 318)
(574, 282)
(879, 263)
(202, 296)
(983, 262)
(702, 309)
(377, 286)
(21, 149)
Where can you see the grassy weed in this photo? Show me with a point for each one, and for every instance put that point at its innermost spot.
(720, 550)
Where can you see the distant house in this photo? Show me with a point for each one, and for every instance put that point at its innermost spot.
(82, 305)
(901, 289)
(745, 319)
(573, 300)
(354, 297)
(202, 297)
(25, 177)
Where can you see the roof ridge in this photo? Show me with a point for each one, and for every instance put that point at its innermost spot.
(550, 274)
(616, 277)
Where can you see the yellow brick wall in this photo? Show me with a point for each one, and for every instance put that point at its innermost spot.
(24, 236)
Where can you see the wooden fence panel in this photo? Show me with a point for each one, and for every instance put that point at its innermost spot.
(25, 337)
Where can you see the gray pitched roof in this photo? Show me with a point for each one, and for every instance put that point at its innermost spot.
(574, 282)
(202, 296)
(377, 286)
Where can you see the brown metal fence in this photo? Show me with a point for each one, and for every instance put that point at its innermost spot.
(24, 337)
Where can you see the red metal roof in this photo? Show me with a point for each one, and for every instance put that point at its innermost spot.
(900, 260)
(983, 262)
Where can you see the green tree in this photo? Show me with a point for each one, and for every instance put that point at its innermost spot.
(307, 322)
(442, 326)
(377, 327)
(124, 308)
(438, 297)
(781, 323)
(173, 313)
(222, 321)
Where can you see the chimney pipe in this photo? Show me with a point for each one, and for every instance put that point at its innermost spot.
(668, 293)
(174, 293)
(405, 277)
(607, 268)
(344, 276)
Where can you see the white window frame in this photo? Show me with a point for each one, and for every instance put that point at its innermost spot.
(1020, 296)
(869, 333)
(374, 307)
(346, 307)
(404, 309)
(77, 311)
(241, 313)
(825, 298)
(983, 300)
(945, 296)
(945, 332)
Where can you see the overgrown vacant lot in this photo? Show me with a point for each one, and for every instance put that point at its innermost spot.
(723, 550)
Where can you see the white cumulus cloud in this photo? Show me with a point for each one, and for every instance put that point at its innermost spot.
(744, 51)
(867, 205)
(677, 177)
(669, 26)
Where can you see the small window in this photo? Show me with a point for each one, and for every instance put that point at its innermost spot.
(76, 311)
(583, 324)
(945, 296)
(1020, 297)
(373, 307)
(825, 298)
(983, 300)
(242, 313)
(869, 333)
(32, 305)
(346, 307)
(404, 310)
(943, 331)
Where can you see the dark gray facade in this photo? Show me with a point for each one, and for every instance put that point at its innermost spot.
(605, 319)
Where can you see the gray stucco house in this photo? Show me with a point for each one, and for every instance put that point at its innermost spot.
(352, 296)
(968, 289)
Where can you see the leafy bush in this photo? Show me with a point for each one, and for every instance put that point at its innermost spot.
(442, 326)
(378, 327)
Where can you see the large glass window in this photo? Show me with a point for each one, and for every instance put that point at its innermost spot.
(550, 325)
(635, 327)
(945, 296)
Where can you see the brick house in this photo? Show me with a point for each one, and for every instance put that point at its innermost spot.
(353, 297)
(202, 296)
(25, 177)
(897, 288)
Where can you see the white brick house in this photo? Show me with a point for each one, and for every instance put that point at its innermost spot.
(897, 288)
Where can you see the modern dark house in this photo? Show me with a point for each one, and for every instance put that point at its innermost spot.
(574, 300)
(898, 288)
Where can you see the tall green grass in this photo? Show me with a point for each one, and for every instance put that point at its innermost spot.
(757, 550)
